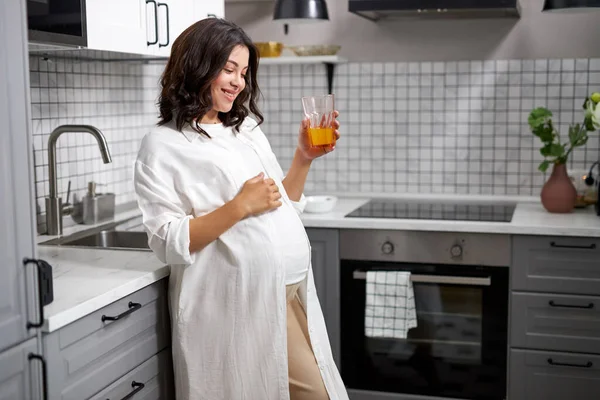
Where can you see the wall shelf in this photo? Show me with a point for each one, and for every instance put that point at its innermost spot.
(302, 60)
(329, 61)
(83, 55)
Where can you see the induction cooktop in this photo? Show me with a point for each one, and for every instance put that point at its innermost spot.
(485, 212)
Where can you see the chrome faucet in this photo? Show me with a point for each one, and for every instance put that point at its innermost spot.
(54, 207)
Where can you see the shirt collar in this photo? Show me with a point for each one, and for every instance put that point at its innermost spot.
(191, 134)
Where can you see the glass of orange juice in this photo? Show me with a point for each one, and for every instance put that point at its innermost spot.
(319, 111)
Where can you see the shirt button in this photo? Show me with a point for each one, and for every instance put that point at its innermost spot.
(311, 330)
(321, 368)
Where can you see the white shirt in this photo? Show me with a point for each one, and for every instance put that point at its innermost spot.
(227, 302)
(290, 233)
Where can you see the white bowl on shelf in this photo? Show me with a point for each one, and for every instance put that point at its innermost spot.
(320, 204)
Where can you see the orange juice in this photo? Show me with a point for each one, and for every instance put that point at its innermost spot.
(321, 136)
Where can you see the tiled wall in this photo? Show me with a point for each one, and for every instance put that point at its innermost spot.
(115, 96)
(453, 127)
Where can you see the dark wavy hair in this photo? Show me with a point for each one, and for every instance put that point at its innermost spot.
(197, 57)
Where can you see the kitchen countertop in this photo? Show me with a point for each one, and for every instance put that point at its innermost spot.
(529, 218)
(86, 280)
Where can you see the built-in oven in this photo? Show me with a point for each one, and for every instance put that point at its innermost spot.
(61, 22)
(458, 349)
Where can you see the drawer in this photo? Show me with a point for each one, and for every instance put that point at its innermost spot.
(556, 264)
(539, 375)
(153, 380)
(555, 322)
(89, 354)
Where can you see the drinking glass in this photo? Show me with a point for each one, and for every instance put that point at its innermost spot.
(319, 111)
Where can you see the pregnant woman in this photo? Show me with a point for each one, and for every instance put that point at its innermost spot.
(246, 320)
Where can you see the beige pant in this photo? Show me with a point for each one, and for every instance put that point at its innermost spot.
(304, 376)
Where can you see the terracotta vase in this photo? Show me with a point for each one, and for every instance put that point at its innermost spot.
(558, 194)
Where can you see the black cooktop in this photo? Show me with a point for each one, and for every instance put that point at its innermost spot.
(488, 212)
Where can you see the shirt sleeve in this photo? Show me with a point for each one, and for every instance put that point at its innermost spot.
(300, 204)
(164, 217)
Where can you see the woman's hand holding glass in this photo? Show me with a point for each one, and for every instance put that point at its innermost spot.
(310, 150)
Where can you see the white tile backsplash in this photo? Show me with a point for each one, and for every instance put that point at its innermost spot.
(434, 106)
(110, 95)
(441, 127)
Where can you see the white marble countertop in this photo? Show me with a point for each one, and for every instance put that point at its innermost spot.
(85, 280)
(530, 218)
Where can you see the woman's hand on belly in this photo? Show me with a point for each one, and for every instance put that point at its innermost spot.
(258, 195)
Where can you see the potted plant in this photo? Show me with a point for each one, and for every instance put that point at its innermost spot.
(558, 194)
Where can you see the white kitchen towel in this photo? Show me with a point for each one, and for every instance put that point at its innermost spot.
(390, 304)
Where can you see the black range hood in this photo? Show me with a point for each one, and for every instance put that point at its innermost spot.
(395, 9)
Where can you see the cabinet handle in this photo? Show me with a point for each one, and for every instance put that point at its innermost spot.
(41, 359)
(167, 16)
(45, 295)
(553, 304)
(567, 246)
(155, 22)
(589, 364)
(137, 386)
(211, 15)
(132, 307)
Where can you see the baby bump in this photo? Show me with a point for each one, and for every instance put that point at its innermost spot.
(268, 236)
(250, 241)
(289, 232)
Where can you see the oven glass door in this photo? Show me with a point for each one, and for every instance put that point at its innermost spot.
(457, 350)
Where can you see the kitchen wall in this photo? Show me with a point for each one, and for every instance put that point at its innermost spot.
(428, 127)
(95, 88)
(441, 127)
(535, 35)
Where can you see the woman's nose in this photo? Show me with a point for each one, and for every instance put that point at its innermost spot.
(237, 81)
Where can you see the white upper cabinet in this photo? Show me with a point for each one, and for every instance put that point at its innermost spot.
(201, 9)
(174, 16)
(213, 9)
(146, 27)
(117, 25)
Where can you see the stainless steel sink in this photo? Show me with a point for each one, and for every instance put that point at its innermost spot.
(106, 239)
(112, 239)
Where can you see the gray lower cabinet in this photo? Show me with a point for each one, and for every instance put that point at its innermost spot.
(556, 322)
(325, 244)
(556, 264)
(541, 375)
(152, 380)
(325, 256)
(19, 313)
(97, 350)
(554, 319)
(19, 375)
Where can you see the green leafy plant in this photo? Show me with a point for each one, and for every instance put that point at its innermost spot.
(555, 150)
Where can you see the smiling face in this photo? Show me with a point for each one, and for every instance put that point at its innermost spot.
(210, 77)
(230, 81)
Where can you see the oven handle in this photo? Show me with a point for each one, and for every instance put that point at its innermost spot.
(452, 280)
